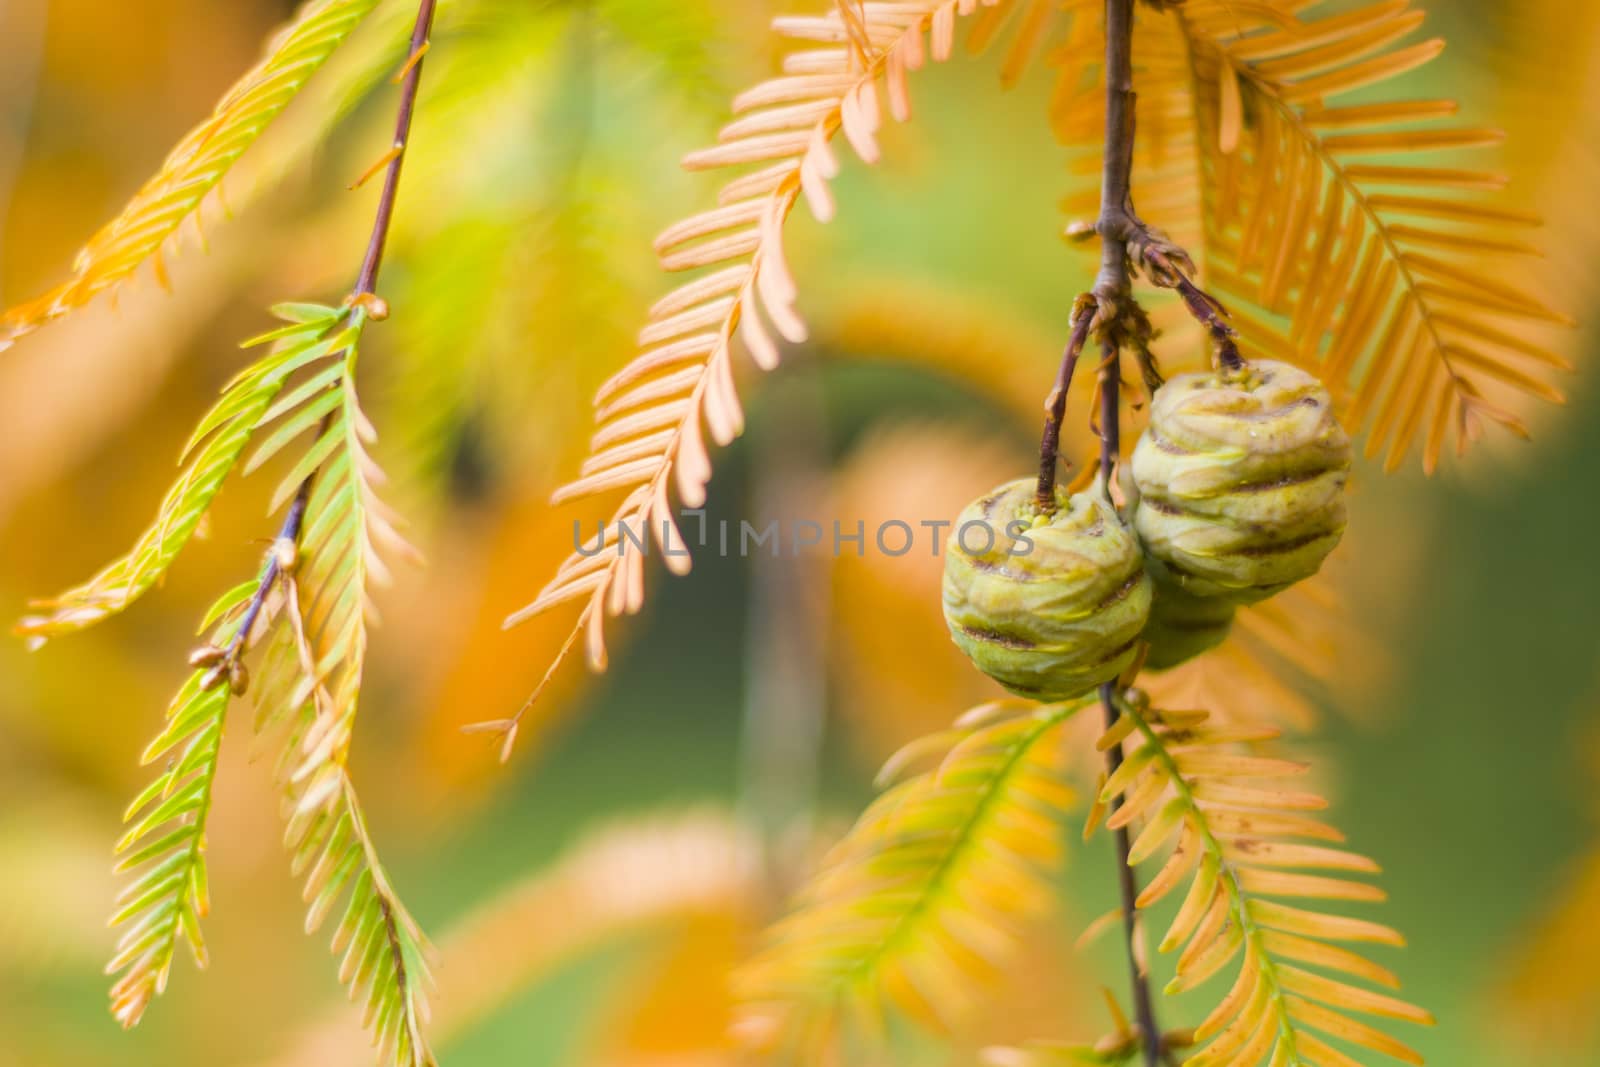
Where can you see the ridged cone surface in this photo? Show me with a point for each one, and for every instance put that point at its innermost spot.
(1239, 480)
(1049, 607)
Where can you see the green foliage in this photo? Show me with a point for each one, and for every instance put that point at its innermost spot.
(166, 840)
(346, 529)
(218, 442)
(314, 588)
(520, 278)
(312, 674)
(1342, 230)
(196, 165)
(927, 891)
(312, 677)
(652, 416)
(382, 951)
(1243, 844)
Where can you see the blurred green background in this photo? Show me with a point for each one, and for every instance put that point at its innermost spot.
(1458, 737)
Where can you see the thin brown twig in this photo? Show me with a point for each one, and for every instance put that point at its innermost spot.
(1117, 225)
(1150, 1038)
(224, 664)
(1055, 405)
(280, 560)
(367, 281)
(1206, 309)
(281, 557)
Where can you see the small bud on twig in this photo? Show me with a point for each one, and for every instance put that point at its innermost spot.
(238, 679)
(206, 656)
(376, 307)
(1080, 230)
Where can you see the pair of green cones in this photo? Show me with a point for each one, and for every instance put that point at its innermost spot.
(1235, 492)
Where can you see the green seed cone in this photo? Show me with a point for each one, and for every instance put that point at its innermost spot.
(1240, 480)
(1049, 607)
(1183, 625)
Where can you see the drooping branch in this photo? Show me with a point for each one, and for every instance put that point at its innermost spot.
(1117, 226)
(285, 546)
(651, 429)
(1125, 238)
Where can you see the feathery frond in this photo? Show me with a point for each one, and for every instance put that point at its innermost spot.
(1241, 842)
(1336, 239)
(346, 529)
(196, 166)
(383, 953)
(311, 678)
(1311, 219)
(216, 446)
(166, 841)
(313, 670)
(927, 890)
(650, 413)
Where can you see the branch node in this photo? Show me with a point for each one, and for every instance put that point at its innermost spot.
(375, 306)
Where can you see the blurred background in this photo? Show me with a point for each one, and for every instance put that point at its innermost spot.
(589, 898)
